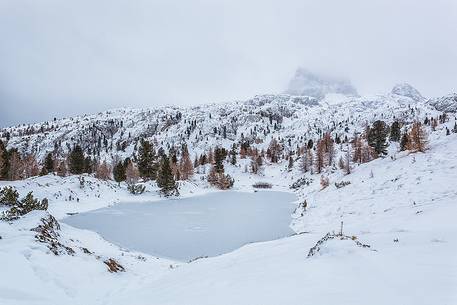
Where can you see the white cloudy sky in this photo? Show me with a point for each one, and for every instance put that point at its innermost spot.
(61, 57)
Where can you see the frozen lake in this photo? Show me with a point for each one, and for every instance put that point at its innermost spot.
(183, 229)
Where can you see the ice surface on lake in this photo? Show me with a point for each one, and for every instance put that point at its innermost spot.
(183, 229)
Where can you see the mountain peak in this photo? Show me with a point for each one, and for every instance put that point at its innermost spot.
(307, 83)
(405, 89)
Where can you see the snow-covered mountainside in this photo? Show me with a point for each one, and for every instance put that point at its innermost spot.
(447, 103)
(293, 120)
(402, 206)
(378, 232)
(307, 83)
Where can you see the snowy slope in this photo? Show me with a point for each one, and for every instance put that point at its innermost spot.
(447, 103)
(406, 197)
(292, 119)
(402, 205)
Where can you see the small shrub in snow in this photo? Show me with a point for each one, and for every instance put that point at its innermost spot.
(317, 247)
(301, 182)
(262, 185)
(24, 206)
(8, 196)
(342, 184)
(136, 189)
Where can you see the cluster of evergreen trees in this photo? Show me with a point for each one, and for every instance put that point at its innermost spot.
(216, 176)
(369, 145)
(150, 166)
(167, 168)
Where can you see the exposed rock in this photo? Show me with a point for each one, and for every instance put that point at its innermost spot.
(447, 103)
(405, 89)
(113, 265)
(47, 233)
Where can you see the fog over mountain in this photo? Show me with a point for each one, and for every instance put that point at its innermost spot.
(309, 84)
(63, 58)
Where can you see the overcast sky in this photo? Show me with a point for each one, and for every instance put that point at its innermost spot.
(59, 58)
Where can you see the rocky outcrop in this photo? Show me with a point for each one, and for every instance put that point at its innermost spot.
(47, 233)
(447, 103)
(405, 89)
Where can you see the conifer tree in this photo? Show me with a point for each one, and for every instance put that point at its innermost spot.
(88, 165)
(329, 150)
(395, 132)
(404, 142)
(186, 168)
(103, 171)
(274, 150)
(377, 135)
(291, 163)
(119, 172)
(3, 161)
(219, 157)
(43, 171)
(310, 144)
(147, 161)
(30, 166)
(165, 179)
(233, 154)
(49, 163)
(131, 172)
(210, 156)
(62, 169)
(320, 151)
(15, 165)
(76, 161)
(307, 161)
(341, 163)
(347, 163)
(417, 138)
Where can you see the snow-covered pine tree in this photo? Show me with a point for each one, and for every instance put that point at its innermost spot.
(395, 131)
(404, 142)
(147, 160)
(165, 179)
(3, 161)
(49, 163)
(119, 172)
(233, 154)
(377, 136)
(76, 160)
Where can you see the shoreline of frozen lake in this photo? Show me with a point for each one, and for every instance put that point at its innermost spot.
(186, 228)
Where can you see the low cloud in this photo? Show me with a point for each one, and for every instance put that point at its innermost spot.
(62, 58)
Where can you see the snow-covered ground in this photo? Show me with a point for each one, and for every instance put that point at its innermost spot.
(403, 206)
(410, 199)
